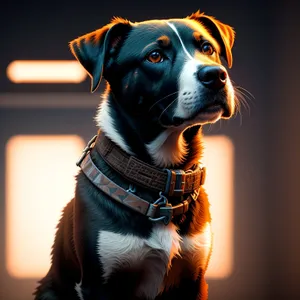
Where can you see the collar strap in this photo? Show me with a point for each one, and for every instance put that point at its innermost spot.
(173, 183)
(160, 210)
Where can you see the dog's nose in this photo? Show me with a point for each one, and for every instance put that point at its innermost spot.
(213, 77)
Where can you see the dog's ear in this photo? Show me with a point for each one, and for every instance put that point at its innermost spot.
(91, 50)
(224, 34)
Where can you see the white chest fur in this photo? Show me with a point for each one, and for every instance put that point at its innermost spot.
(154, 254)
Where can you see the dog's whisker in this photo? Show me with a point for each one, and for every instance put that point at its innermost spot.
(160, 116)
(238, 102)
(243, 93)
(239, 111)
(245, 96)
(220, 126)
(246, 91)
(241, 101)
(209, 128)
(241, 117)
(161, 100)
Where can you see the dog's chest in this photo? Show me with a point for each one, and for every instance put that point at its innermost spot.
(154, 257)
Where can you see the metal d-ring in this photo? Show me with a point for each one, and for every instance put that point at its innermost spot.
(161, 201)
(131, 189)
(157, 219)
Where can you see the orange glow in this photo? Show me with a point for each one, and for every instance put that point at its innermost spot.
(219, 160)
(39, 182)
(45, 71)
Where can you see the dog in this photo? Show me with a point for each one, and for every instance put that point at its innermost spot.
(138, 226)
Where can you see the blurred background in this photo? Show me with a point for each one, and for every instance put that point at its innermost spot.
(254, 179)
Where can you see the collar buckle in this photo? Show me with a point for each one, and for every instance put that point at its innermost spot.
(162, 207)
(175, 185)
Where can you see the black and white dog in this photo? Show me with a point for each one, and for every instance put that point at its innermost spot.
(164, 80)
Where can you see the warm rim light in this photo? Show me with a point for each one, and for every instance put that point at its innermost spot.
(45, 71)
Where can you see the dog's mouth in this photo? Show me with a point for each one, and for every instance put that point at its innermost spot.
(208, 114)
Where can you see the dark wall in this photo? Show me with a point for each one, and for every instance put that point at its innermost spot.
(266, 62)
(283, 153)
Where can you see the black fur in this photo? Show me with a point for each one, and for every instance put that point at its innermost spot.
(140, 95)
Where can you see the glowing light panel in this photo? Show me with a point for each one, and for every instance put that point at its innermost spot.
(45, 71)
(39, 182)
(219, 160)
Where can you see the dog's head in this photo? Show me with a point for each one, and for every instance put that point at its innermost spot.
(147, 61)
(163, 73)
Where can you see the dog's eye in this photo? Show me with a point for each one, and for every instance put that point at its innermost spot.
(155, 57)
(207, 49)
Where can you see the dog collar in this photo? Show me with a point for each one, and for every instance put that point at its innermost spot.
(174, 183)
(160, 210)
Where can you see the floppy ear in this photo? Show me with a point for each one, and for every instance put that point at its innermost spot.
(223, 33)
(91, 50)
